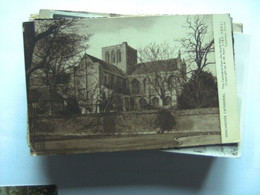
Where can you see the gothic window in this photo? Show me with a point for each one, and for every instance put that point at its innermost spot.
(142, 103)
(171, 83)
(118, 53)
(127, 104)
(107, 57)
(105, 79)
(113, 56)
(119, 84)
(168, 100)
(111, 81)
(157, 80)
(135, 86)
(157, 83)
(145, 85)
(124, 86)
(155, 102)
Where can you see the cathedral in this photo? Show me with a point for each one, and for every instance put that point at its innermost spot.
(117, 82)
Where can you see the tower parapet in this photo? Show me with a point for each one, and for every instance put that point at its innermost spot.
(123, 56)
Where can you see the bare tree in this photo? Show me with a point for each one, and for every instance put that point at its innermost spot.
(56, 52)
(97, 98)
(106, 99)
(37, 31)
(159, 62)
(89, 97)
(197, 44)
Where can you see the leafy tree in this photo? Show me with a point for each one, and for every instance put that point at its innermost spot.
(165, 121)
(199, 92)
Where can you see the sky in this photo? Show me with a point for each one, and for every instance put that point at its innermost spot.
(137, 32)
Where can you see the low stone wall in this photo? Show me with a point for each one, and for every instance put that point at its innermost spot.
(202, 120)
(195, 120)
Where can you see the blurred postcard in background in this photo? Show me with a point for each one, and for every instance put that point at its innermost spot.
(33, 189)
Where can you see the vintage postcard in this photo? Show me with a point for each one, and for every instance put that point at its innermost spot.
(28, 190)
(220, 150)
(130, 83)
(57, 14)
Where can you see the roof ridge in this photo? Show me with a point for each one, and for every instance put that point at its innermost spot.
(111, 66)
(140, 67)
(158, 61)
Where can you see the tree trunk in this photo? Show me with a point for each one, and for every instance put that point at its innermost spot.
(198, 92)
(52, 99)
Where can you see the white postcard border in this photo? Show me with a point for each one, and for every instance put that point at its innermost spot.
(228, 105)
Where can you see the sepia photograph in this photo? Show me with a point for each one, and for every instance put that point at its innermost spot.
(121, 83)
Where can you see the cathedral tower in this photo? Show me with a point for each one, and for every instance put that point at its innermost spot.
(122, 56)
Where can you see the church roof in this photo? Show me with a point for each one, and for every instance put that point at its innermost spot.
(106, 66)
(155, 66)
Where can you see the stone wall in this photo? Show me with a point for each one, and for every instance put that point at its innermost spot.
(203, 120)
(196, 120)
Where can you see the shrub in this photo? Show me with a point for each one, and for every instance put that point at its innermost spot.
(199, 92)
(165, 121)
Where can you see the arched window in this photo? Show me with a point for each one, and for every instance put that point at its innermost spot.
(168, 100)
(142, 103)
(105, 80)
(107, 57)
(145, 85)
(155, 102)
(118, 55)
(127, 104)
(157, 82)
(111, 81)
(113, 56)
(171, 82)
(135, 86)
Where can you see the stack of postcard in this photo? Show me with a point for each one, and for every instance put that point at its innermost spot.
(107, 82)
